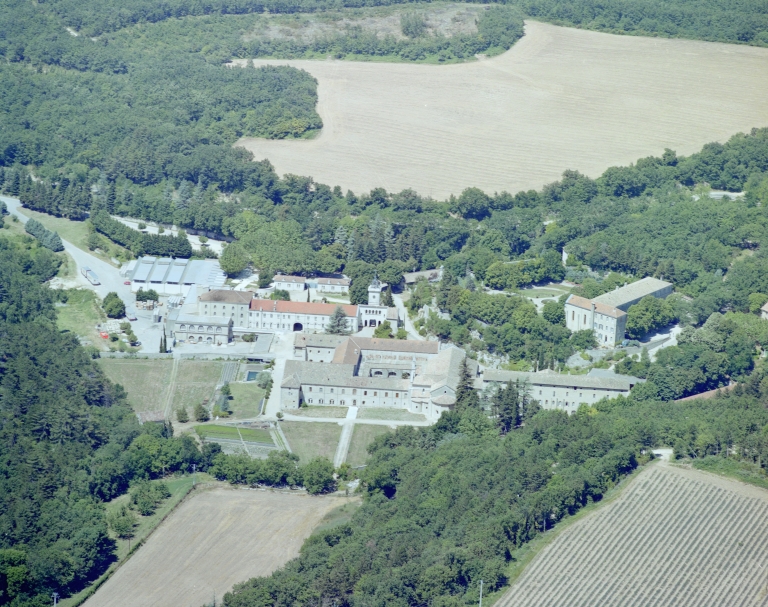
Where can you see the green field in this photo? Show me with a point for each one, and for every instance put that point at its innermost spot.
(249, 435)
(394, 414)
(312, 439)
(363, 436)
(743, 471)
(246, 398)
(81, 314)
(145, 381)
(340, 412)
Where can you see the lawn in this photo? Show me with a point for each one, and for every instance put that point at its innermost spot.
(145, 381)
(249, 435)
(399, 415)
(340, 412)
(81, 314)
(312, 439)
(363, 436)
(246, 398)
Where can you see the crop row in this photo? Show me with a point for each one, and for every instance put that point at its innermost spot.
(672, 538)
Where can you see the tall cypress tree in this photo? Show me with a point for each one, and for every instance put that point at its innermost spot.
(506, 407)
(466, 395)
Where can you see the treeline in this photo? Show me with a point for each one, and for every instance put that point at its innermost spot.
(449, 505)
(62, 200)
(280, 469)
(50, 240)
(140, 243)
(497, 29)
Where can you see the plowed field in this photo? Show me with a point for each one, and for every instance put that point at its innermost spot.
(559, 99)
(674, 538)
(212, 541)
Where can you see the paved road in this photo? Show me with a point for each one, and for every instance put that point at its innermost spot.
(346, 437)
(409, 328)
(149, 333)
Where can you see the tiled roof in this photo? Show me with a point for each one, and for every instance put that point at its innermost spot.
(600, 308)
(397, 345)
(328, 374)
(235, 297)
(300, 307)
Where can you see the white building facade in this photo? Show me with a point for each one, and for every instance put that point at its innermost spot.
(289, 283)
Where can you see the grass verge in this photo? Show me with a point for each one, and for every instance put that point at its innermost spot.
(339, 412)
(743, 471)
(393, 414)
(81, 314)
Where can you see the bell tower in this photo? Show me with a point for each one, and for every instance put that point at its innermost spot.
(374, 291)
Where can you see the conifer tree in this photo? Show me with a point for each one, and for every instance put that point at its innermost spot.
(337, 323)
(111, 197)
(506, 407)
(15, 184)
(466, 395)
(386, 298)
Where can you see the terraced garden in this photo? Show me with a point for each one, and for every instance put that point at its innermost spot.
(675, 537)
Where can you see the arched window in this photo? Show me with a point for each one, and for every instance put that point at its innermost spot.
(201, 328)
(182, 327)
(218, 329)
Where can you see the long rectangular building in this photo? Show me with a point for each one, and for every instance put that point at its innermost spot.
(557, 391)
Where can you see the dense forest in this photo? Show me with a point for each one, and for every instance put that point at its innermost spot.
(68, 441)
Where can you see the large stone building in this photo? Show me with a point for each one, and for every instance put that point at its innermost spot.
(366, 372)
(232, 304)
(285, 316)
(606, 315)
(557, 391)
(197, 329)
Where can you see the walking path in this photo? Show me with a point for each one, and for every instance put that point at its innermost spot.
(409, 328)
(171, 389)
(348, 425)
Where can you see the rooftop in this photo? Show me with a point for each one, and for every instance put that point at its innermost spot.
(300, 307)
(549, 378)
(286, 278)
(299, 372)
(235, 297)
(318, 340)
(334, 281)
(429, 275)
(634, 292)
(600, 308)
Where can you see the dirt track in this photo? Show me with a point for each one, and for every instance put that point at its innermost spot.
(673, 538)
(560, 98)
(214, 540)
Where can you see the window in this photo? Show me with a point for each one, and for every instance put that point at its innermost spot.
(354, 391)
(331, 401)
(585, 319)
(343, 391)
(342, 402)
(310, 388)
(375, 393)
(320, 401)
(386, 394)
(539, 392)
(354, 403)
(320, 389)
(309, 401)
(331, 390)
(365, 392)
(573, 315)
(397, 395)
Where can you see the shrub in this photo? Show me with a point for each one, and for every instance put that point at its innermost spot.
(181, 415)
(113, 305)
(201, 413)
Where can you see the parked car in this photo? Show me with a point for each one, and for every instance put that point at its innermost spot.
(126, 282)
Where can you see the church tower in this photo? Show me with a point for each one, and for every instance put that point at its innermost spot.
(374, 291)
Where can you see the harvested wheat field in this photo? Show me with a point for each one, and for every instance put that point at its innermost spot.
(673, 538)
(214, 540)
(559, 99)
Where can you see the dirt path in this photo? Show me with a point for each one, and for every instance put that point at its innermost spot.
(559, 99)
(171, 388)
(214, 540)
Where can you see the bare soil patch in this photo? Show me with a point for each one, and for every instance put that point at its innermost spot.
(673, 537)
(214, 540)
(559, 99)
